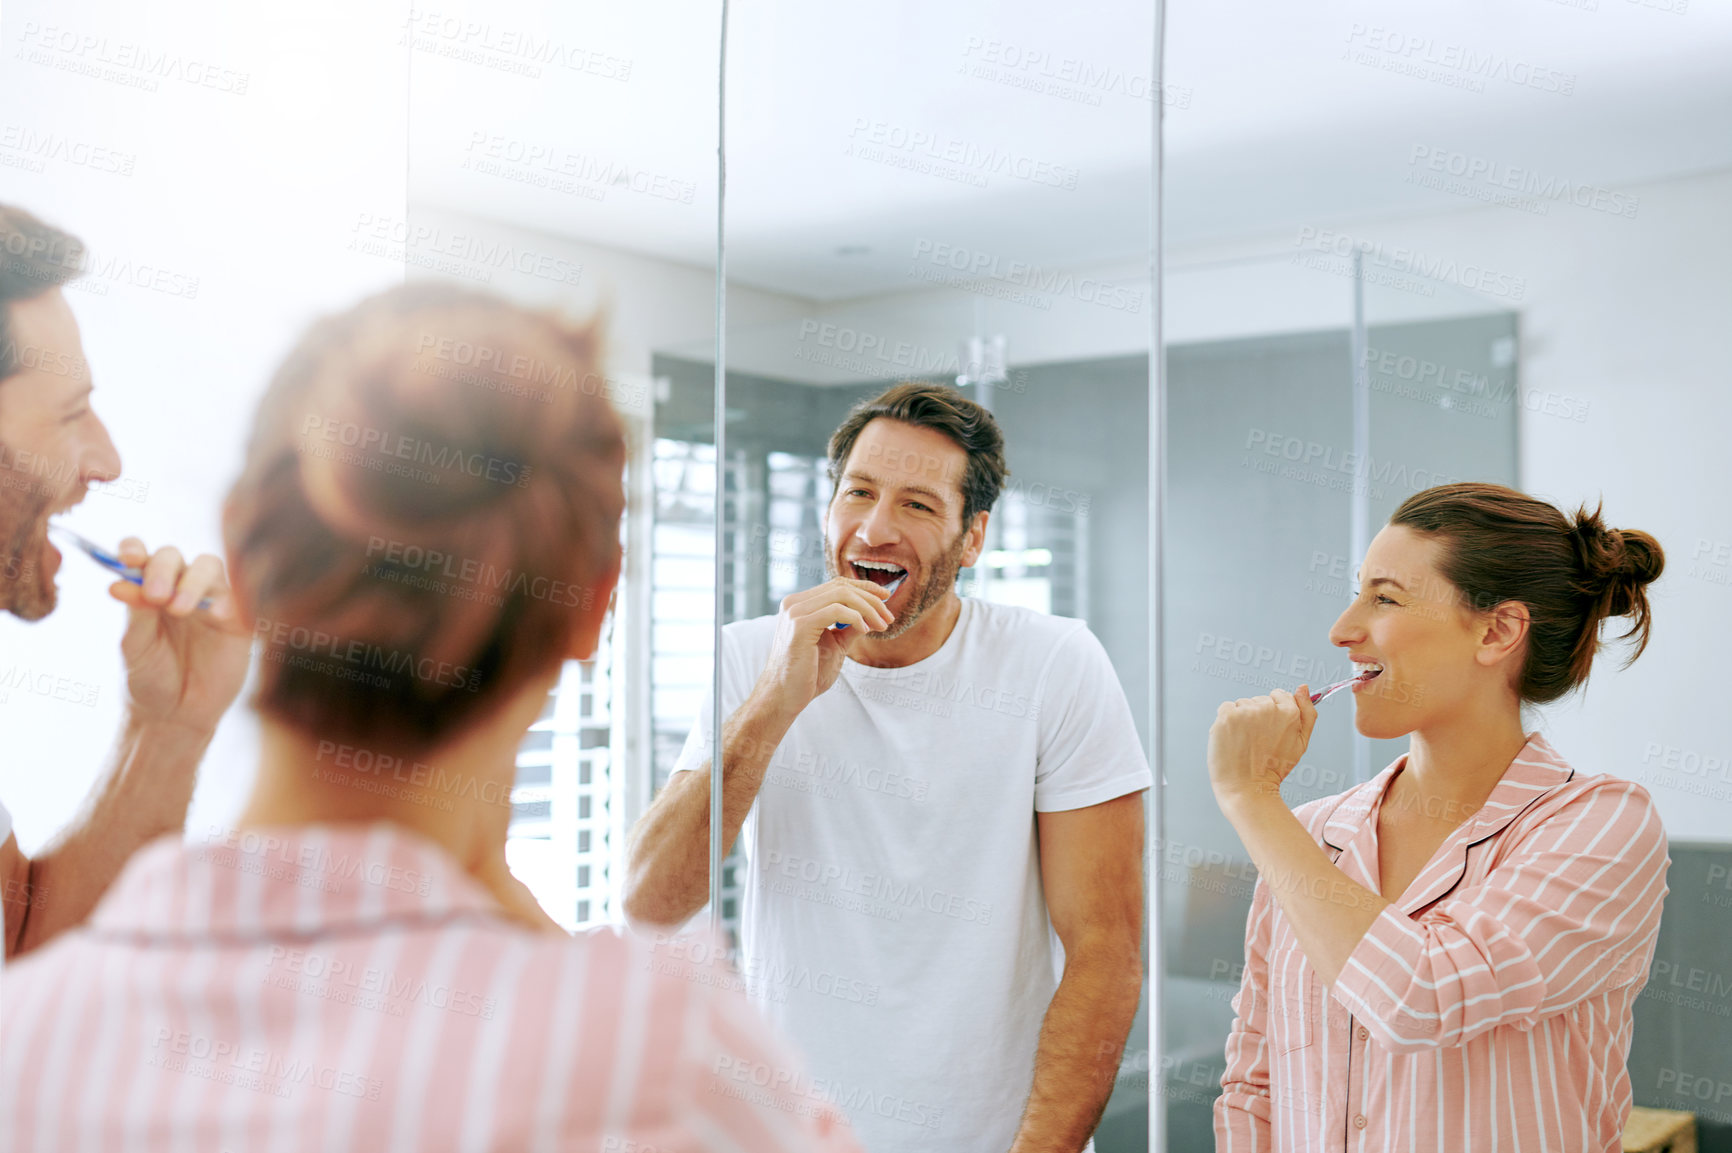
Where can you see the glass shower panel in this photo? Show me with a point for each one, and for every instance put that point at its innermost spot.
(1441, 365)
(1259, 414)
(1264, 467)
(954, 195)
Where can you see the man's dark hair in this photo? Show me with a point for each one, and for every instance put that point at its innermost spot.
(944, 409)
(35, 258)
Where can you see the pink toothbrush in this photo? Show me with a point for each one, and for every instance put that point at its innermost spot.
(1318, 698)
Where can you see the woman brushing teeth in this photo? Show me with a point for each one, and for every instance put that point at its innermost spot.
(1429, 949)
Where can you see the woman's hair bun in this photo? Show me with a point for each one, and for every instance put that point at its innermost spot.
(429, 509)
(1617, 564)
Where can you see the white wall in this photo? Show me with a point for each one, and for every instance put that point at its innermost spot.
(651, 305)
(1046, 314)
(1633, 316)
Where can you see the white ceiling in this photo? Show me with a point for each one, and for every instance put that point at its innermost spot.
(1272, 122)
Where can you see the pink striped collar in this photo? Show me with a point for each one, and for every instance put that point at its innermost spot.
(287, 880)
(1535, 771)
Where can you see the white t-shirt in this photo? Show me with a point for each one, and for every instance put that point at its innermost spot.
(893, 921)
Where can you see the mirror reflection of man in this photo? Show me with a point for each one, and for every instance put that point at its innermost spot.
(926, 797)
(184, 665)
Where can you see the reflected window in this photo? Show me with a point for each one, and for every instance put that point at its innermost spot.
(562, 838)
(1036, 557)
(682, 607)
(792, 555)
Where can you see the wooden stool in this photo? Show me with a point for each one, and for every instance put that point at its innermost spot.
(1659, 1131)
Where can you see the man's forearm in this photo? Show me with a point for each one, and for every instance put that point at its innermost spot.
(143, 794)
(1081, 1042)
(669, 855)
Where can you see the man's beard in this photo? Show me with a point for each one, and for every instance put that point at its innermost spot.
(940, 579)
(26, 589)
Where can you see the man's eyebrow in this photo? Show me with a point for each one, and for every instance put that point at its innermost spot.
(917, 489)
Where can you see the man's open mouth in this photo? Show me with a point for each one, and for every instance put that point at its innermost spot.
(880, 573)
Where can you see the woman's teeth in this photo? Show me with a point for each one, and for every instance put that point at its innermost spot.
(1365, 670)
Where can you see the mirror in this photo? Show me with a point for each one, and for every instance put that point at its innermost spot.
(966, 205)
(1458, 242)
(1403, 249)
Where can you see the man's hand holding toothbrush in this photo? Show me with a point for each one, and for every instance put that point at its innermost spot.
(813, 631)
(184, 664)
(186, 651)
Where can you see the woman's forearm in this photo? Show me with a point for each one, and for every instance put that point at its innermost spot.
(1330, 913)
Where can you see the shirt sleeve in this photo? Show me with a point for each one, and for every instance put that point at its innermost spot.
(1572, 913)
(1089, 751)
(1242, 1111)
(696, 751)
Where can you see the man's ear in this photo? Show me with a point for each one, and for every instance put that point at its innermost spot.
(594, 600)
(231, 562)
(976, 540)
(1503, 632)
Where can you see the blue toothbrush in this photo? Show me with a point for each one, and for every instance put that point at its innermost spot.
(110, 561)
(892, 586)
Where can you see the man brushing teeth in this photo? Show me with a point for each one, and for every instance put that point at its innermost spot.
(183, 666)
(882, 573)
(927, 789)
(930, 584)
(885, 575)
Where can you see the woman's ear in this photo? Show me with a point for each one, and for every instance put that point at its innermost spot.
(594, 602)
(1503, 633)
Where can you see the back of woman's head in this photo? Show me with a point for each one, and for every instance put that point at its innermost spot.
(431, 498)
(1572, 573)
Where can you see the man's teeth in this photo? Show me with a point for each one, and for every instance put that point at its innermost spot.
(897, 573)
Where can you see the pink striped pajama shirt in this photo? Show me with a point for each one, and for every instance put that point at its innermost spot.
(1488, 1009)
(351, 987)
